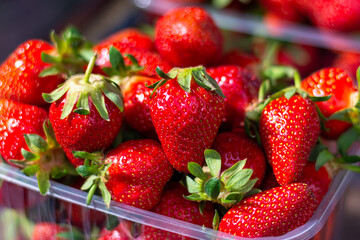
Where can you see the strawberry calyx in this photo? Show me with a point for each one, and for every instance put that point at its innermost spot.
(81, 88)
(46, 159)
(72, 53)
(226, 188)
(184, 77)
(119, 70)
(95, 170)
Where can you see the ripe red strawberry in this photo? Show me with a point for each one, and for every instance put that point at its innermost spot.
(19, 74)
(47, 231)
(270, 213)
(344, 94)
(234, 147)
(236, 57)
(137, 104)
(186, 116)
(173, 204)
(136, 172)
(188, 37)
(94, 122)
(318, 181)
(284, 9)
(241, 90)
(146, 58)
(131, 37)
(17, 119)
(289, 129)
(121, 232)
(337, 15)
(348, 61)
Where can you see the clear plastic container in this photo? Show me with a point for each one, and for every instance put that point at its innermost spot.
(40, 209)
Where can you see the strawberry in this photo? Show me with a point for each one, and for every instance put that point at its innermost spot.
(19, 74)
(137, 104)
(146, 58)
(86, 113)
(186, 114)
(284, 9)
(234, 147)
(289, 129)
(335, 14)
(173, 204)
(47, 231)
(188, 37)
(121, 232)
(135, 173)
(270, 213)
(348, 61)
(344, 94)
(17, 119)
(236, 57)
(128, 36)
(240, 88)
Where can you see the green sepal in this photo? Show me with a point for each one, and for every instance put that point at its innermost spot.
(202, 205)
(205, 81)
(237, 167)
(213, 161)
(98, 100)
(116, 59)
(348, 159)
(238, 180)
(31, 170)
(95, 156)
(49, 71)
(82, 106)
(171, 75)
(56, 94)
(196, 170)
(89, 182)
(212, 187)
(192, 186)
(58, 172)
(36, 143)
(197, 197)
(350, 115)
(247, 186)
(320, 99)
(226, 202)
(47, 58)
(346, 140)
(353, 168)
(323, 157)
(115, 98)
(105, 193)
(235, 196)
(73, 234)
(50, 134)
(86, 171)
(111, 222)
(316, 151)
(290, 93)
(29, 156)
(216, 220)
(253, 191)
(184, 79)
(43, 182)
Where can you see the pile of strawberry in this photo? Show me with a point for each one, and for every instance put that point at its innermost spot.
(176, 126)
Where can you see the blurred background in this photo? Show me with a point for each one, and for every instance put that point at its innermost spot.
(22, 19)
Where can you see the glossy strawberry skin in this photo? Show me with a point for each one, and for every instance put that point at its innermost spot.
(186, 123)
(138, 173)
(173, 204)
(241, 90)
(348, 61)
(131, 37)
(148, 59)
(19, 78)
(234, 147)
(17, 119)
(289, 130)
(85, 132)
(270, 213)
(137, 104)
(188, 37)
(121, 232)
(47, 231)
(337, 83)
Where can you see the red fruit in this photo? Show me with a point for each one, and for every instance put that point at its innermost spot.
(340, 15)
(318, 181)
(284, 9)
(186, 122)
(17, 119)
(137, 104)
(146, 58)
(188, 37)
(138, 173)
(337, 83)
(241, 90)
(121, 232)
(84, 132)
(234, 147)
(236, 57)
(349, 62)
(19, 74)
(131, 37)
(289, 129)
(47, 231)
(173, 204)
(270, 213)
